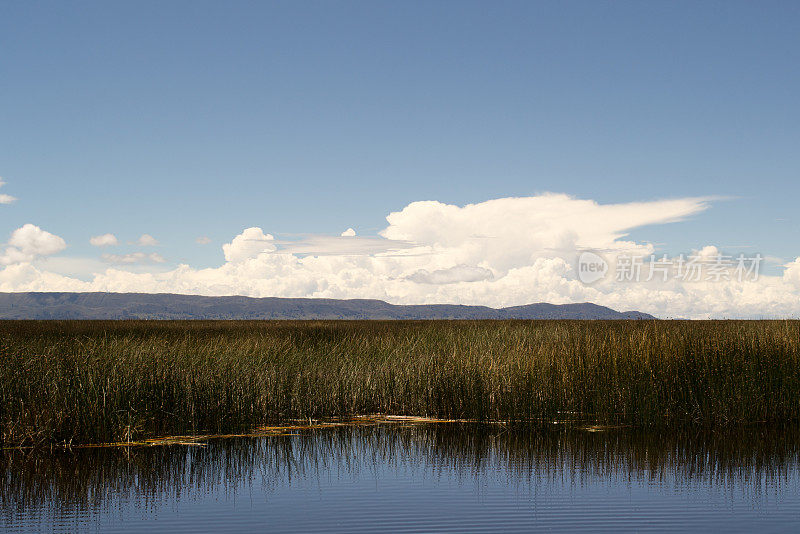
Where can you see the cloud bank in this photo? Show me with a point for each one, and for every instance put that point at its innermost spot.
(501, 252)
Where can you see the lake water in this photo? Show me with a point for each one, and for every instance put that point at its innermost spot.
(417, 478)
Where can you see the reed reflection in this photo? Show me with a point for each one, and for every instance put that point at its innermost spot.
(86, 481)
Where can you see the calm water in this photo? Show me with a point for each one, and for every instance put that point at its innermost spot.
(428, 478)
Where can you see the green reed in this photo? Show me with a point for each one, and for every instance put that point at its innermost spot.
(67, 382)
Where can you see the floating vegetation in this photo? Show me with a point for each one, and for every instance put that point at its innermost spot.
(267, 431)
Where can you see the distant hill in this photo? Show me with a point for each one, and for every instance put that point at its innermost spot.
(168, 306)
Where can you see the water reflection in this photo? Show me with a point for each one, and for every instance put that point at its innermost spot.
(104, 487)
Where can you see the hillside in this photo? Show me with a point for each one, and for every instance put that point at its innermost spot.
(168, 306)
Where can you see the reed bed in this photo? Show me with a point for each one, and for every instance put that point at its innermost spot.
(70, 382)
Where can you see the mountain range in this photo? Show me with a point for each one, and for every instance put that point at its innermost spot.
(169, 306)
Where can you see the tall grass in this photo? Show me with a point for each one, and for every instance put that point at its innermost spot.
(100, 381)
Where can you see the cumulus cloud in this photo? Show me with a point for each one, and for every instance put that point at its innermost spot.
(105, 240)
(203, 240)
(512, 232)
(791, 273)
(5, 199)
(249, 244)
(349, 233)
(29, 242)
(502, 252)
(135, 257)
(146, 240)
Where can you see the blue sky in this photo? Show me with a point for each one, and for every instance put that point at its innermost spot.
(187, 119)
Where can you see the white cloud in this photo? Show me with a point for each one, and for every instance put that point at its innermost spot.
(146, 240)
(105, 240)
(498, 253)
(791, 274)
(29, 242)
(323, 245)
(459, 273)
(6, 199)
(249, 244)
(31, 239)
(134, 257)
(76, 267)
(26, 277)
(349, 233)
(203, 240)
(512, 232)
